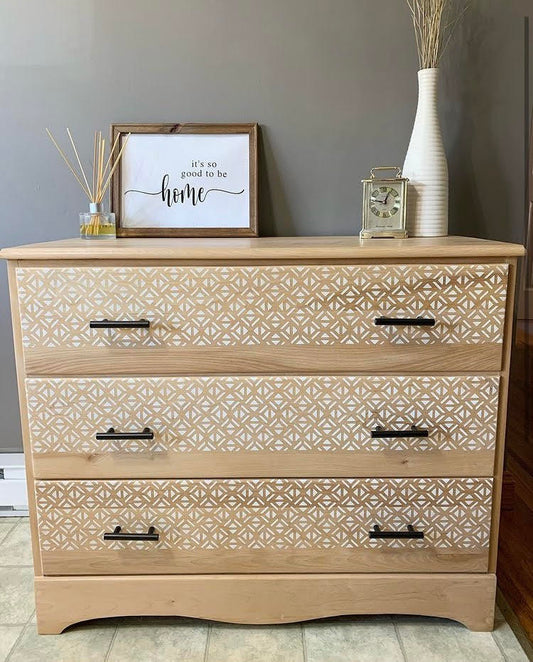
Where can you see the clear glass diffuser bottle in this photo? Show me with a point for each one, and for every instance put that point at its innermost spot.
(97, 224)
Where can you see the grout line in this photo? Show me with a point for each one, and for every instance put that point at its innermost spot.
(304, 643)
(207, 641)
(400, 640)
(20, 637)
(9, 532)
(513, 622)
(108, 653)
(500, 648)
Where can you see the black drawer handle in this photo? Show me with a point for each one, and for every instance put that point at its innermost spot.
(118, 535)
(381, 433)
(119, 324)
(410, 533)
(404, 321)
(111, 434)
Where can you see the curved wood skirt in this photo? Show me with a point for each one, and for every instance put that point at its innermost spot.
(265, 599)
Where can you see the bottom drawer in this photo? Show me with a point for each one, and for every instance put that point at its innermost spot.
(264, 525)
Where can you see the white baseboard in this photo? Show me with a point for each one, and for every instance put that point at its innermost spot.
(13, 494)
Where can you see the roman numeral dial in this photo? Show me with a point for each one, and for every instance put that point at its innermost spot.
(385, 201)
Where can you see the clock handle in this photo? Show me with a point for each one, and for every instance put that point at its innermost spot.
(397, 168)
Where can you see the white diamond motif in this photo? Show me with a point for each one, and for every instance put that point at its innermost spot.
(278, 413)
(236, 514)
(262, 305)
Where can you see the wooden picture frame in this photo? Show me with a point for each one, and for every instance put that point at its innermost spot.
(182, 200)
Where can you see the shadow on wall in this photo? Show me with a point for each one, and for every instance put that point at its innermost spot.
(275, 218)
(480, 191)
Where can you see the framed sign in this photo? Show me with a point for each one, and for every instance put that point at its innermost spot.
(185, 180)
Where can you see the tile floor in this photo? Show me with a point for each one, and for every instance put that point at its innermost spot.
(360, 639)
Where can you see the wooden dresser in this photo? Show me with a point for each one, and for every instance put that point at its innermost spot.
(263, 430)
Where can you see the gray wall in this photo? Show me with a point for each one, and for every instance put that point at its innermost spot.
(332, 83)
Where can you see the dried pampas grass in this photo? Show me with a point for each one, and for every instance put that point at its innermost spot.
(434, 22)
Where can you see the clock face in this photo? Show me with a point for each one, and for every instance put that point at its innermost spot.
(384, 207)
(385, 201)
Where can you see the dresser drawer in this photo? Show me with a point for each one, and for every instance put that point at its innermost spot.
(264, 525)
(262, 318)
(263, 425)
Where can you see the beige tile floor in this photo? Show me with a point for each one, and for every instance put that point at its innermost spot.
(360, 639)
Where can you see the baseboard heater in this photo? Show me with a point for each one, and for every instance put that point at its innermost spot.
(13, 494)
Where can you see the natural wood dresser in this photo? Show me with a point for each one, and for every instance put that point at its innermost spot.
(263, 430)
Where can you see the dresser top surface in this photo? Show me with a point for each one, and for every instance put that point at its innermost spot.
(263, 248)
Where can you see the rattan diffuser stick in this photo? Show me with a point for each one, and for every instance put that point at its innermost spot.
(101, 176)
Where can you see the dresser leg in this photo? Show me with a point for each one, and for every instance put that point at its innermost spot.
(47, 624)
(265, 599)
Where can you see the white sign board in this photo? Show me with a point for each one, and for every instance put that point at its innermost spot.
(186, 181)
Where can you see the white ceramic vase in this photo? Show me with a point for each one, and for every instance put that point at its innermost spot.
(426, 166)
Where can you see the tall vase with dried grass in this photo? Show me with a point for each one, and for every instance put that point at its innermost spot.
(425, 162)
(95, 224)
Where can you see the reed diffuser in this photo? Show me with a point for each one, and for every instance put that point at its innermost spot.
(95, 224)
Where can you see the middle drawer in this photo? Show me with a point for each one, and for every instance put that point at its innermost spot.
(263, 426)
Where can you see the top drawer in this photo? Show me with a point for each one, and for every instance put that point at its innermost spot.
(197, 315)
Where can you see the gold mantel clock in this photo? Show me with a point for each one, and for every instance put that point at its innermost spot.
(384, 205)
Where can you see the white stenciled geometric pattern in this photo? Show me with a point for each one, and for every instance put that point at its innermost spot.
(283, 514)
(262, 305)
(278, 413)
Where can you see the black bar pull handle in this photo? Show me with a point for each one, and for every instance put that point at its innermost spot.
(118, 534)
(147, 433)
(404, 321)
(381, 433)
(409, 534)
(119, 324)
